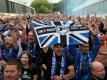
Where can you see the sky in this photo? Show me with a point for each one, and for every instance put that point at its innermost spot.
(29, 1)
(54, 1)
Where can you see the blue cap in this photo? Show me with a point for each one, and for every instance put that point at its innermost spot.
(58, 44)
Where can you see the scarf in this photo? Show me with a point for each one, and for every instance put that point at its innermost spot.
(79, 65)
(53, 68)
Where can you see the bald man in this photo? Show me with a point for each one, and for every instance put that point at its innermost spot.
(98, 71)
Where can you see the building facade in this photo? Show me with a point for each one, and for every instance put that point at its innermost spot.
(84, 7)
(14, 6)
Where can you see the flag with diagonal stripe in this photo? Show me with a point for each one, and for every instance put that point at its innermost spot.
(77, 35)
(47, 36)
(50, 32)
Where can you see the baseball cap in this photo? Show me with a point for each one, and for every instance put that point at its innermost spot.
(58, 44)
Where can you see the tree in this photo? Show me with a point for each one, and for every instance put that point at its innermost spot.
(57, 6)
(42, 6)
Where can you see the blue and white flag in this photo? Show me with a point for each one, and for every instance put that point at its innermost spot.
(46, 35)
(49, 33)
(77, 35)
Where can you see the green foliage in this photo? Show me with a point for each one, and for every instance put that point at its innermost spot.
(42, 6)
(57, 6)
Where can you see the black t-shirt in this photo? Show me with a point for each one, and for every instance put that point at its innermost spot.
(27, 73)
(47, 60)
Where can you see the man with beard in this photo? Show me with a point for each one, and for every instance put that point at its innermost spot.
(30, 44)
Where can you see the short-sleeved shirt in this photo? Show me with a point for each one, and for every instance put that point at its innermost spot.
(28, 73)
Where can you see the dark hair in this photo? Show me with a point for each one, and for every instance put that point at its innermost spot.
(83, 44)
(14, 62)
(29, 56)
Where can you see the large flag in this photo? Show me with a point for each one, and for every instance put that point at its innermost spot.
(49, 33)
(77, 35)
(46, 34)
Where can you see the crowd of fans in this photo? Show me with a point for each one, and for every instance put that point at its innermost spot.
(19, 42)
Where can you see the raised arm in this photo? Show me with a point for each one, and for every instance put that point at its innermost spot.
(96, 44)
